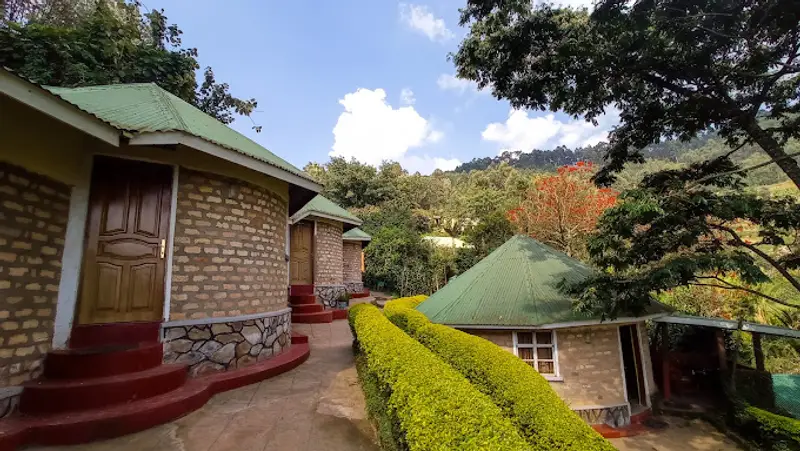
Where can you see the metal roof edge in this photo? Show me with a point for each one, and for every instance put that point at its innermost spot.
(295, 219)
(728, 324)
(217, 150)
(565, 325)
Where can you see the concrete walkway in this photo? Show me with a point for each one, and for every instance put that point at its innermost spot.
(680, 435)
(317, 406)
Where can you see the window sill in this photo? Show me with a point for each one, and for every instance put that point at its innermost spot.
(554, 379)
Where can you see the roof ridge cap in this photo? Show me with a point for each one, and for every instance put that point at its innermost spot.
(169, 107)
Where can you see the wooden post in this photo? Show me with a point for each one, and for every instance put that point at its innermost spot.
(664, 333)
(721, 354)
(758, 351)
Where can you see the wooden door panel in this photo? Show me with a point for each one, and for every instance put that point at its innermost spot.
(127, 227)
(301, 254)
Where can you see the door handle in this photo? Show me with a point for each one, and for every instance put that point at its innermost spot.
(163, 248)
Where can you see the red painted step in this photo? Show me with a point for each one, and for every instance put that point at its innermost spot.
(306, 308)
(339, 313)
(121, 419)
(89, 335)
(103, 361)
(44, 396)
(298, 338)
(313, 318)
(298, 299)
(301, 289)
(363, 294)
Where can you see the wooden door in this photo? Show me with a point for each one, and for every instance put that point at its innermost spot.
(301, 255)
(126, 237)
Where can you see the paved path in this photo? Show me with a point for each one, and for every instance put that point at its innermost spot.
(681, 435)
(317, 406)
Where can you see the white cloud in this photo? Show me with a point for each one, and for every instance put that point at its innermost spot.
(450, 82)
(427, 164)
(407, 96)
(371, 131)
(522, 132)
(421, 19)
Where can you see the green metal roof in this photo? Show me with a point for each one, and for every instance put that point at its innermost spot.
(147, 108)
(356, 234)
(516, 285)
(323, 207)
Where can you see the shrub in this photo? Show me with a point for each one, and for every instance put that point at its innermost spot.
(525, 397)
(419, 402)
(770, 431)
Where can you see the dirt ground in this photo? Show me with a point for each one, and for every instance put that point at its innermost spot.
(680, 435)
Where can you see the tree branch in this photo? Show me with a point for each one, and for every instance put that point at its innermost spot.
(747, 169)
(731, 286)
(774, 263)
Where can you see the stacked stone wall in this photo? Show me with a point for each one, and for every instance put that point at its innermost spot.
(33, 221)
(229, 248)
(351, 267)
(328, 253)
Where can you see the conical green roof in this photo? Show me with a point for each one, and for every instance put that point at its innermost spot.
(323, 207)
(356, 234)
(516, 285)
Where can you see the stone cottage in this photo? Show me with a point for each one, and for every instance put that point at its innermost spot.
(354, 242)
(602, 369)
(142, 243)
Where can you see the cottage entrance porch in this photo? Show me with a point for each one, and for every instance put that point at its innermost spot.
(633, 368)
(126, 239)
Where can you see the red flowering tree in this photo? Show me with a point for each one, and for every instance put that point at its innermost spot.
(561, 210)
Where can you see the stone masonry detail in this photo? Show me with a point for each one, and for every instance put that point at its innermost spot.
(33, 222)
(208, 348)
(229, 248)
(351, 267)
(328, 253)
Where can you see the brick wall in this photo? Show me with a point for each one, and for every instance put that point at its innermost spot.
(33, 221)
(590, 364)
(351, 259)
(328, 253)
(588, 360)
(229, 248)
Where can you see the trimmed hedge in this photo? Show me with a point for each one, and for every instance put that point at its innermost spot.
(418, 402)
(525, 397)
(770, 431)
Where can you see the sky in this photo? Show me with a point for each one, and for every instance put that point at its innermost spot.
(364, 79)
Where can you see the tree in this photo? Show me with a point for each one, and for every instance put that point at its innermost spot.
(673, 68)
(561, 210)
(352, 184)
(96, 42)
(693, 226)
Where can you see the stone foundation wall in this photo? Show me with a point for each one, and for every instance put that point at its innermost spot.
(329, 294)
(229, 250)
(351, 262)
(615, 416)
(354, 287)
(328, 253)
(33, 221)
(224, 346)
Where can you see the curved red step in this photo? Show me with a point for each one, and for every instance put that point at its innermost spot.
(113, 421)
(297, 299)
(339, 313)
(313, 318)
(53, 396)
(363, 294)
(306, 308)
(106, 361)
(88, 335)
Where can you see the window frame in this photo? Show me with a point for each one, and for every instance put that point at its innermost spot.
(553, 345)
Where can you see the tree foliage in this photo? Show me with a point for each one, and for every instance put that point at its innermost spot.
(99, 42)
(561, 210)
(673, 68)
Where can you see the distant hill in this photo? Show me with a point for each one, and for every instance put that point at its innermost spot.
(549, 160)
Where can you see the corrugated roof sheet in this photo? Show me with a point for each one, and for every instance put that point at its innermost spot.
(324, 206)
(356, 234)
(516, 285)
(147, 108)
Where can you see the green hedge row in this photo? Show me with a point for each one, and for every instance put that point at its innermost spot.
(770, 431)
(526, 397)
(417, 401)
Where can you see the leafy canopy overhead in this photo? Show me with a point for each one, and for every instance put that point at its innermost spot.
(98, 42)
(673, 68)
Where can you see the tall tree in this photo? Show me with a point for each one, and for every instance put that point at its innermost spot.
(673, 68)
(562, 210)
(95, 42)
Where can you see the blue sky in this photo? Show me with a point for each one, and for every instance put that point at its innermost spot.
(361, 78)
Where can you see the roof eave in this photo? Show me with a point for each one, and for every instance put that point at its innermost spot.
(356, 239)
(299, 217)
(186, 139)
(42, 100)
(564, 325)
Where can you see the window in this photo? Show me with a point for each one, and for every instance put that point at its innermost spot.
(539, 350)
